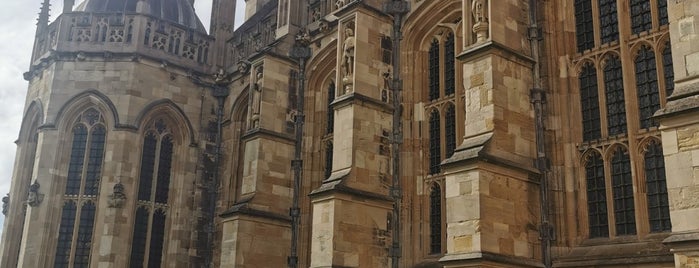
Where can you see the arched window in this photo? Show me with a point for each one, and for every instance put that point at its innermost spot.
(435, 140)
(153, 191)
(668, 70)
(596, 196)
(662, 12)
(622, 187)
(656, 188)
(331, 112)
(589, 103)
(449, 67)
(328, 159)
(450, 130)
(608, 21)
(647, 86)
(82, 190)
(436, 219)
(614, 90)
(434, 70)
(584, 33)
(641, 19)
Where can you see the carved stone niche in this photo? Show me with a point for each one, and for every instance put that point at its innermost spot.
(34, 197)
(118, 196)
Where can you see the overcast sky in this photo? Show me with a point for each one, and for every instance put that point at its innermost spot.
(16, 41)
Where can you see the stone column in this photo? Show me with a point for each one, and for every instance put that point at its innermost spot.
(491, 185)
(256, 229)
(679, 125)
(352, 210)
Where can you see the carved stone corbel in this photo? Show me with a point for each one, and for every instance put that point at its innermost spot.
(35, 197)
(118, 196)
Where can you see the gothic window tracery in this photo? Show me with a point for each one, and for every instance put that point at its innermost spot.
(435, 142)
(153, 195)
(434, 70)
(650, 82)
(449, 70)
(329, 128)
(81, 191)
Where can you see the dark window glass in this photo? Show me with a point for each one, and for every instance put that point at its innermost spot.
(662, 12)
(65, 235)
(435, 140)
(668, 69)
(164, 167)
(583, 25)
(622, 186)
(77, 160)
(386, 49)
(147, 165)
(589, 103)
(596, 197)
(449, 70)
(331, 112)
(656, 187)
(436, 219)
(434, 70)
(647, 86)
(608, 21)
(156, 239)
(140, 233)
(84, 243)
(614, 90)
(293, 91)
(450, 130)
(328, 159)
(641, 19)
(94, 165)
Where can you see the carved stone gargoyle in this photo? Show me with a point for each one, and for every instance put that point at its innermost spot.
(5, 204)
(35, 197)
(118, 197)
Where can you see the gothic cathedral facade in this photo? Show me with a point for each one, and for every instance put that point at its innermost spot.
(360, 133)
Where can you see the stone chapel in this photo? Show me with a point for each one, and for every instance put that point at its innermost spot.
(359, 133)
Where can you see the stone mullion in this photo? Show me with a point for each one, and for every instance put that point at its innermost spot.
(596, 23)
(611, 220)
(602, 97)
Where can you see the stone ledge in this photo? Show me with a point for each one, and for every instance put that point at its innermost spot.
(688, 241)
(245, 209)
(637, 252)
(337, 185)
(473, 258)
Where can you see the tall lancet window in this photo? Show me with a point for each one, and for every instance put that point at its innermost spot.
(668, 70)
(614, 90)
(641, 19)
(153, 190)
(434, 70)
(435, 219)
(435, 143)
(656, 188)
(596, 196)
(622, 187)
(647, 86)
(329, 128)
(449, 66)
(81, 191)
(584, 33)
(609, 21)
(589, 103)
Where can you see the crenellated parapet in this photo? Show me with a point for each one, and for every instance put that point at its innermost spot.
(126, 35)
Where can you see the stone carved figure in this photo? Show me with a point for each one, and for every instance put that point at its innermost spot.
(34, 198)
(5, 204)
(256, 96)
(118, 197)
(480, 25)
(478, 10)
(348, 53)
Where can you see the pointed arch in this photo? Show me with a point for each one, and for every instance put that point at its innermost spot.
(167, 109)
(81, 101)
(32, 119)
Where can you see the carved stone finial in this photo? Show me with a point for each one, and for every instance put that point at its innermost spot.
(35, 197)
(5, 204)
(118, 196)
